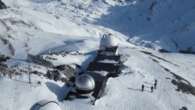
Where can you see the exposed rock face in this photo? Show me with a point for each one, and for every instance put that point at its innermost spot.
(67, 70)
(2, 5)
(61, 73)
(3, 58)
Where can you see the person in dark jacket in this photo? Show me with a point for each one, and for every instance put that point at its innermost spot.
(152, 88)
(155, 84)
(142, 89)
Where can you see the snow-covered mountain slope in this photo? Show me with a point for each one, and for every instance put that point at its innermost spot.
(69, 31)
(36, 26)
(123, 92)
(155, 24)
(165, 23)
(32, 30)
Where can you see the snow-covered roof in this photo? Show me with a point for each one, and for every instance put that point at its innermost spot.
(46, 105)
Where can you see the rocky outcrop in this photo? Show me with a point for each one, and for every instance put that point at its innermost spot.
(2, 5)
(3, 58)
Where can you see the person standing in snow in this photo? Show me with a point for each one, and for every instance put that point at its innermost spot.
(142, 88)
(155, 83)
(183, 108)
(152, 88)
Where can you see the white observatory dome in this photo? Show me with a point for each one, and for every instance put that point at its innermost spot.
(108, 41)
